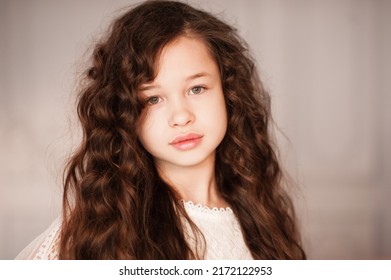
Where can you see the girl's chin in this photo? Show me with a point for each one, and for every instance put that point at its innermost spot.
(184, 161)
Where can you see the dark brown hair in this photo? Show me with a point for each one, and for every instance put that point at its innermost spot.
(115, 205)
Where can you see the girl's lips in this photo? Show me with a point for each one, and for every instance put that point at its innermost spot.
(186, 142)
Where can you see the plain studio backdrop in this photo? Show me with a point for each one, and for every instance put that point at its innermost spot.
(326, 65)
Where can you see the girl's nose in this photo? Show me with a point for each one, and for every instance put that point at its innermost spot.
(180, 114)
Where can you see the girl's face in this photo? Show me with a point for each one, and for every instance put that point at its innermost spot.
(186, 117)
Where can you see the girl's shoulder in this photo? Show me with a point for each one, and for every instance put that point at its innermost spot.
(45, 246)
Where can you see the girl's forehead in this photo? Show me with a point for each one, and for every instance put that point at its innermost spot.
(185, 56)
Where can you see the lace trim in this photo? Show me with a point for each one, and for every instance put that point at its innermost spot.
(205, 209)
(221, 230)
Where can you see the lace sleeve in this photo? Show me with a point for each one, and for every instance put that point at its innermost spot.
(45, 246)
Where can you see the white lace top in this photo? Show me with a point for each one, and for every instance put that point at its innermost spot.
(223, 236)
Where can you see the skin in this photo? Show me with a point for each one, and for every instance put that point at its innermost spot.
(185, 97)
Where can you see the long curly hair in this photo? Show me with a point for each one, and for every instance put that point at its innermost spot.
(115, 206)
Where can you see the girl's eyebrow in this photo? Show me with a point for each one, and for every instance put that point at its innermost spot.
(192, 77)
(144, 88)
(198, 75)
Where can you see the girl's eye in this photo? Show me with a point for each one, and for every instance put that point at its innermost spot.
(197, 90)
(153, 100)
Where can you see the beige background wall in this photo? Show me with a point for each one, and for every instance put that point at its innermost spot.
(326, 63)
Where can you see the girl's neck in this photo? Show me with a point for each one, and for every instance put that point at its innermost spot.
(194, 183)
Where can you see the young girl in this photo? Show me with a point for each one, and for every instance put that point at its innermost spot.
(176, 160)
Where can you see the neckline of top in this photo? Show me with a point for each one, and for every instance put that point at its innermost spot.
(205, 209)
